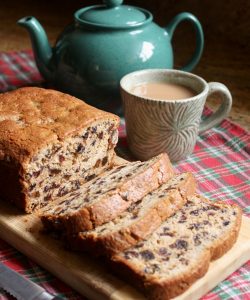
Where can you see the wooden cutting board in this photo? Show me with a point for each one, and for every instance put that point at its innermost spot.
(92, 279)
(89, 277)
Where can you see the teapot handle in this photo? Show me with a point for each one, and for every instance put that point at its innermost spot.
(199, 37)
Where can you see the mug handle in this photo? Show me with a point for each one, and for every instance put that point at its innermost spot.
(199, 37)
(222, 111)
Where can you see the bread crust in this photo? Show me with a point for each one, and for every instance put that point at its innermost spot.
(113, 203)
(11, 184)
(160, 289)
(32, 118)
(124, 238)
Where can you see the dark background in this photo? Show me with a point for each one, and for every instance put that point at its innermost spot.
(223, 20)
(226, 25)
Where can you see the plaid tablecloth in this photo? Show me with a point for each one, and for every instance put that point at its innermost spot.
(220, 162)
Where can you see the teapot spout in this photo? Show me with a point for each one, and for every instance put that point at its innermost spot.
(40, 44)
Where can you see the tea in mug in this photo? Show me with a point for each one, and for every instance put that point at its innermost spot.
(163, 91)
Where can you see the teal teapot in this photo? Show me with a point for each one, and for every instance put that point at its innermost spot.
(104, 43)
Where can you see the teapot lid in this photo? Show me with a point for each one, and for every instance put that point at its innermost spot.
(112, 14)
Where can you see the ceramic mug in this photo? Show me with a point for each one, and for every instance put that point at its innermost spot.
(172, 126)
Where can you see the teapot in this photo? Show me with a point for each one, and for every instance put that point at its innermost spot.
(104, 43)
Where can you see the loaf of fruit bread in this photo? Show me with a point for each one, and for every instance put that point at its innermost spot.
(138, 221)
(107, 196)
(50, 143)
(180, 250)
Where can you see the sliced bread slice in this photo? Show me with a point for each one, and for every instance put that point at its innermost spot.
(180, 250)
(139, 221)
(106, 196)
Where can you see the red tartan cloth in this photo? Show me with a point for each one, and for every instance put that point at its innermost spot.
(220, 162)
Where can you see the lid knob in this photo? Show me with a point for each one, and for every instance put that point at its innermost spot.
(112, 3)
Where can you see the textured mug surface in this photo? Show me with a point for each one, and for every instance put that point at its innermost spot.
(155, 126)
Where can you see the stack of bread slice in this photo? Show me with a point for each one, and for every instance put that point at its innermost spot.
(150, 224)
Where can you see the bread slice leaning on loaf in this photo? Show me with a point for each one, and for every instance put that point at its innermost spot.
(138, 221)
(107, 196)
(180, 250)
(50, 143)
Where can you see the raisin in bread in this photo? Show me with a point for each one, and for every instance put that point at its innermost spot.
(106, 196)
(179, 251)
(50, 143)
(139, 221)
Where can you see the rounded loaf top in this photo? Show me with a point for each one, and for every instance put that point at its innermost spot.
(32, 117)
